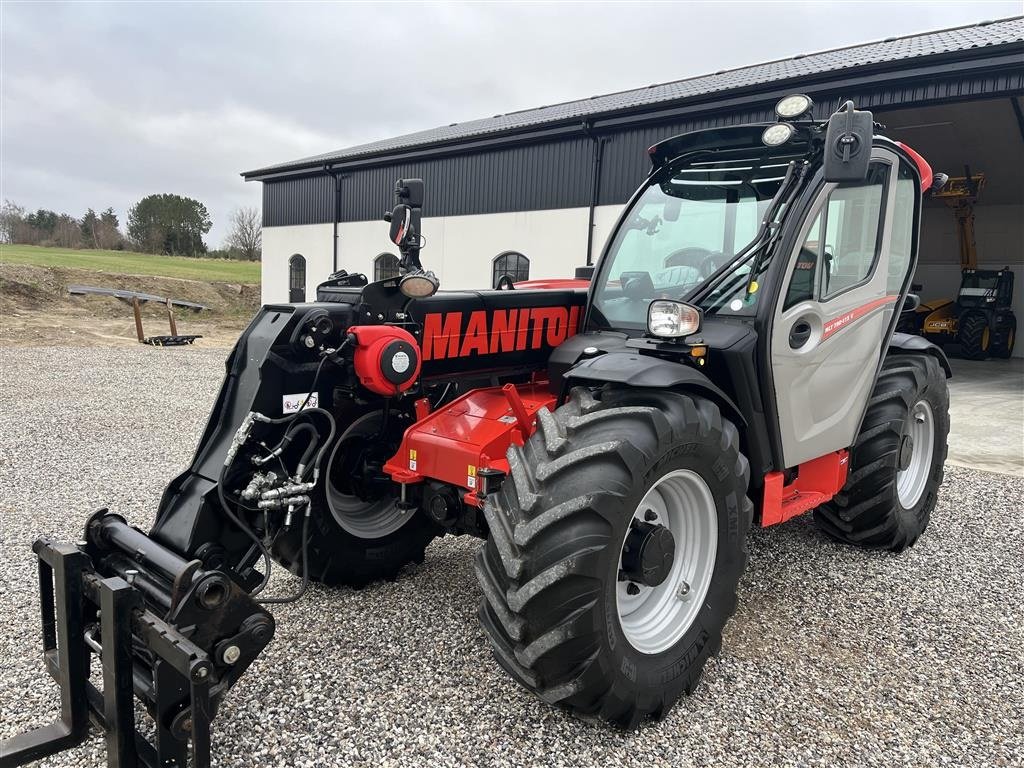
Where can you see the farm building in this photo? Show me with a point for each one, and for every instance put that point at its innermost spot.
(534, 194)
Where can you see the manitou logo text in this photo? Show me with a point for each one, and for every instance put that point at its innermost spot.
(502, 330)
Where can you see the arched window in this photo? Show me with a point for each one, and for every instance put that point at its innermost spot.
(385, 266)
(297, 278)
(513, 264)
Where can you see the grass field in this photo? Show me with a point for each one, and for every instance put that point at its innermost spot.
(129, 263)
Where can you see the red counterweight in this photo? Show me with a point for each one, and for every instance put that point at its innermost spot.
(387, 359)
(471, 433)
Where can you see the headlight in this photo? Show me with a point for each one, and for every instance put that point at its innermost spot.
(672, 319)
(419, 285)
(792, 107)
(777, 134)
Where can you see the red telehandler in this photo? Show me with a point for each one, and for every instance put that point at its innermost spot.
(732, 363)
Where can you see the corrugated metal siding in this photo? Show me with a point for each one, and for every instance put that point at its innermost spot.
(625, 162)
(534, 176)
(557, 174)
(308, 200)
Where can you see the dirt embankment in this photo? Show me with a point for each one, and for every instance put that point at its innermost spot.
(36, 309)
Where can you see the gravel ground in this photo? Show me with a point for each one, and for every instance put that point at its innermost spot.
(835, 656)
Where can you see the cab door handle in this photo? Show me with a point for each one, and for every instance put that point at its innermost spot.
(799, 333)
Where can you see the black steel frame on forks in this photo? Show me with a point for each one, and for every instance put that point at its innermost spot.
(83, 615)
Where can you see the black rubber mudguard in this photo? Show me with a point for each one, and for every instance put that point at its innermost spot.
(905, 342)
(634, 370)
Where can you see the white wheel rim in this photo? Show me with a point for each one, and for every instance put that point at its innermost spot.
(655, 618)
(365, 519)
(911, 481)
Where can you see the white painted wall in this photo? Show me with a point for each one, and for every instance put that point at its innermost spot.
(459, 249)
(313, 241)
(605, 217)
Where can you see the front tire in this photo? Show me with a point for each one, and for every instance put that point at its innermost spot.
(896, 465)
(554, 608)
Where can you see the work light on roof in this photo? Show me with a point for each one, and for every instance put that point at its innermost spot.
(792, 107)
(419, 284)
(777, 134)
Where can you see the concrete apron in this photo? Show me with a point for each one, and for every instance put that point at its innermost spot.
(986, 409)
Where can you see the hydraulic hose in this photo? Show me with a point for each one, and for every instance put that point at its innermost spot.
(305, 568)
(264, 552)
(246, 530)
(314, 437)
(288, 436)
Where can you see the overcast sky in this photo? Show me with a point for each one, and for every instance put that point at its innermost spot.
(103, 104)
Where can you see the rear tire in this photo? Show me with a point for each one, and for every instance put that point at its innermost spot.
(354, 542)
(974, 336)
(550, 569)
(883, 506)
(337, 558)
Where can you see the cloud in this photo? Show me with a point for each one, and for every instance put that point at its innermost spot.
(105, 103)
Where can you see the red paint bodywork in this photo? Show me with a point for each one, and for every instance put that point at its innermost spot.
(817, 481)
(923, 167)
(468, 434)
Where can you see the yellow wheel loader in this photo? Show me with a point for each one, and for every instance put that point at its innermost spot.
(980, 319)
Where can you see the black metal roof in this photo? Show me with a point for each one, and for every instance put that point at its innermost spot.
(919, 46)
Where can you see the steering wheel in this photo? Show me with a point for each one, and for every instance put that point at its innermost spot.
(505, 283)
(691, 256)
(708, 267)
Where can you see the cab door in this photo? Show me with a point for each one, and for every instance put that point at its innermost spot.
(839, 293)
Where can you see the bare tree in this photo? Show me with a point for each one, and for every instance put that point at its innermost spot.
(12, 222)
(246, 233)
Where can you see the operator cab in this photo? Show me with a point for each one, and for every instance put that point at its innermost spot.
(986, 288)
(746, 255)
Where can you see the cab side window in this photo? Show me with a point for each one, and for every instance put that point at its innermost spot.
(843, 244)
(801, 284)
(903, 219)
(853, 232)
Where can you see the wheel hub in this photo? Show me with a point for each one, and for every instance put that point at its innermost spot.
(648, 554)
(906, 452)
(915, 456)
(666, 561)
(361, 499)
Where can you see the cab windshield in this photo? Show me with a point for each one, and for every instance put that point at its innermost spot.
(978, 288)
(692, 219)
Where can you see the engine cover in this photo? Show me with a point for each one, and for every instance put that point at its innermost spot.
(387, 359)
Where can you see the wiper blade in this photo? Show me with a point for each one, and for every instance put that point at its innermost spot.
(762, 238)
(793, 173)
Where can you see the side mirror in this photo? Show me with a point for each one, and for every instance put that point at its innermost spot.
(912, 302)
(848, 144)
(401, 220)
